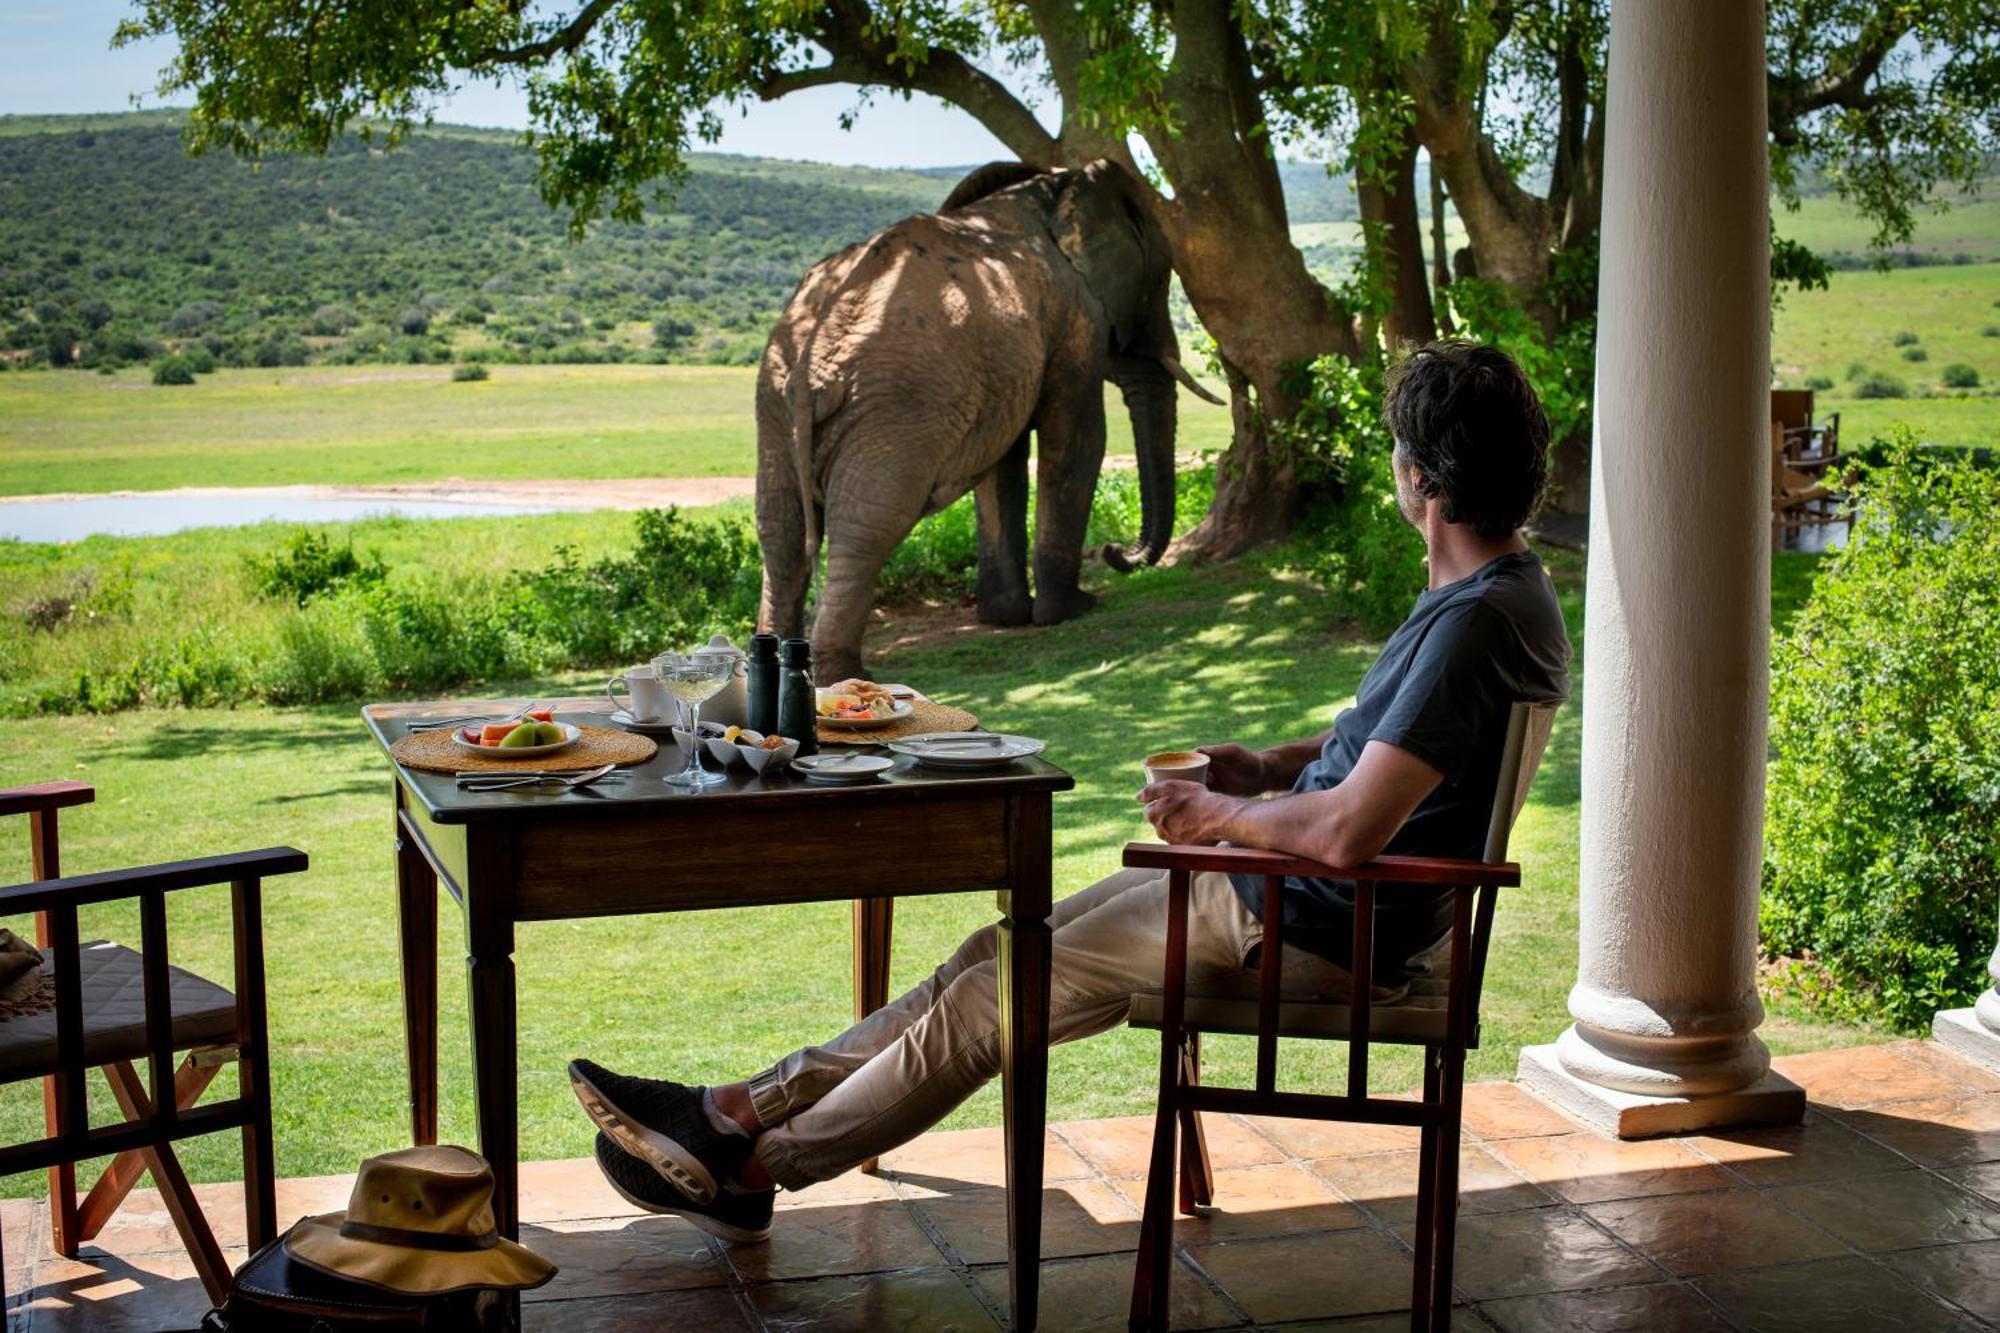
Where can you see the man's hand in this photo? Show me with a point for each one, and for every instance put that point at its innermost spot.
(1187, 812)
(1235, 770)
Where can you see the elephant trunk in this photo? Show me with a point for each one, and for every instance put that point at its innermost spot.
(1149, 396)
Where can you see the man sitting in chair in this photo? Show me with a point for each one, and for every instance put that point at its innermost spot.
(1410, 769)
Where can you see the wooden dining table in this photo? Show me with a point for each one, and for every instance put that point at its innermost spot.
(620, 848)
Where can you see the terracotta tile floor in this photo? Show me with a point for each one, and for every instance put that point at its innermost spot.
(1881, 1212)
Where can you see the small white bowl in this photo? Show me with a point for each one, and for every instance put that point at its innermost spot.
(761, 759)
(720, 750)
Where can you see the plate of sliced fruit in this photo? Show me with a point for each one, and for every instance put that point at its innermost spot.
(533, 733)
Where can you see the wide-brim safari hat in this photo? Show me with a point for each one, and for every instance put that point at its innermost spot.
(420, 1222)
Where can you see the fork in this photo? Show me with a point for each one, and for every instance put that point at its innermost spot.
(439, 723)
(560, 784)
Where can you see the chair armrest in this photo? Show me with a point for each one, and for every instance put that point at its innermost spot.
(109, 885)
(45, 796)
(1382, 870)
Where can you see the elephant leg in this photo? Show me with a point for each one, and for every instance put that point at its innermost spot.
(1070, 431)
(1002, 501)
(847, 596)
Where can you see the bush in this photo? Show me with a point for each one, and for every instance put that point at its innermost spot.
(1904, 339)
(173, 370)
(330, 321)
(1883, 823)
(1881, 386)
(686, 580)
(1855, 370)
(471, 373)
(1915, 354)
(1820, 383)
(1990, 331)
(1358, 548)
(310, 565)
(200, 360)
(1958, 375)
(415, 322)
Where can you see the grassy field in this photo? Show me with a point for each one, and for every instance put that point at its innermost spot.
(328, 425)
(1172, 657)
(1856, 321)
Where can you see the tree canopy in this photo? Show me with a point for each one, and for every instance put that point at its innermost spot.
(1506, 97)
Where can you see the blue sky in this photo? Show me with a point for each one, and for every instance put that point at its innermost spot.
(55, 56)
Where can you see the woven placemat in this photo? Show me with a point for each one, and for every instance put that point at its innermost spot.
(924, 716)
(437, 752)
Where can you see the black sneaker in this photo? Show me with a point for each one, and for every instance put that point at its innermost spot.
(662, 1124)
(742, 1218)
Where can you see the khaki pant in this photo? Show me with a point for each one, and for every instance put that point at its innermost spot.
(905, 1067)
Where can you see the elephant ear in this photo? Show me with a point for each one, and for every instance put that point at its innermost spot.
(1098, 224)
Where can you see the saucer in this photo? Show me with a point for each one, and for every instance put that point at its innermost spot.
(657, 727)
(841, 769)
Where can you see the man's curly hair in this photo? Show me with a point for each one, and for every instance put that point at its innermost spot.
(1468, 420)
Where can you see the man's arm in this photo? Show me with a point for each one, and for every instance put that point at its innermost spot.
(1237, 771)
(1342, 826)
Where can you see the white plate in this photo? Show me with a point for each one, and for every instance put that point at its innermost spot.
(841, 769)
(966, 750)
(901, 706)
(570, 733)
(659, 726)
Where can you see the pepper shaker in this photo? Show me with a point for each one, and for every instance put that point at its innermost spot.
(762, 680)
(798, 711)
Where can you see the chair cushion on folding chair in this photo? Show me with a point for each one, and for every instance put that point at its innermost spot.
(1418, 1019)
(114, 1015)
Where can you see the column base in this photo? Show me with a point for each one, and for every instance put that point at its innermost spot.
(1960, 1032)
(1771, 1100)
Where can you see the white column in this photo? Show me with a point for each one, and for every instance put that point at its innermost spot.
(1677, 612)
(1975, 1033)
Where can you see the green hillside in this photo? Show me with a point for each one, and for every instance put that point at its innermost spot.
(114, 243)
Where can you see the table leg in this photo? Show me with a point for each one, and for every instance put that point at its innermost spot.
(494, 1052)
(873, 920)
(1023, 962)
(416, 904)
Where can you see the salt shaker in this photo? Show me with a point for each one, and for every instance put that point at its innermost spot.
(798, 711)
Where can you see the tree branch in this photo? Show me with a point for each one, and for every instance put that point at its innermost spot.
(1793, 98)
(561, 42)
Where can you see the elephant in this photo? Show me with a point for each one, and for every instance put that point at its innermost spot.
(912, 367)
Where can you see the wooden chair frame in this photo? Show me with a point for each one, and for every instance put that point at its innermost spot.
(153, 1124)
(1475, 886)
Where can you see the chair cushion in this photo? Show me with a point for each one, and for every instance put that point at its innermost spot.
(1418, 1019)
(114, 1015)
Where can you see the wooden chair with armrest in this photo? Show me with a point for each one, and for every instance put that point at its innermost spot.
(1440, 1014)
(114, 1007)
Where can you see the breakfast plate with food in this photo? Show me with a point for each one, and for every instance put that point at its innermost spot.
(860, 705)
(532, 734)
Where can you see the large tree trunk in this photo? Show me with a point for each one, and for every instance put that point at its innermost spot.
(1389, 203)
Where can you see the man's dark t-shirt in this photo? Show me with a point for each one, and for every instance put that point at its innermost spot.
(1441, 690)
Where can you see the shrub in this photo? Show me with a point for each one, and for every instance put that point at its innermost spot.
(470, 373)
(309, 565)
(415, 322)
(1915, 354)
(1990, 331)
(685, 580)
(1820, 383)
(1358, 548)
(322, 656)
(1883, 823)
(1958, 375)
(173, 370)
(330, 321)
(1904, 339)
(1855, 370)
(200, 360)
(1881, 386)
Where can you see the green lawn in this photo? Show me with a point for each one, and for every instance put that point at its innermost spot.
(328, 425)
(1855, 322)
(1172, 657)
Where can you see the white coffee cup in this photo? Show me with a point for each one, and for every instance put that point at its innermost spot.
(1177, 765)
(649, 700)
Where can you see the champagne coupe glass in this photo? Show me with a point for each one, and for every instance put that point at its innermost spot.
(694, 678)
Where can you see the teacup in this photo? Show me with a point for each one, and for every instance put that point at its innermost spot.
(1177, 766)
(649, 701)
